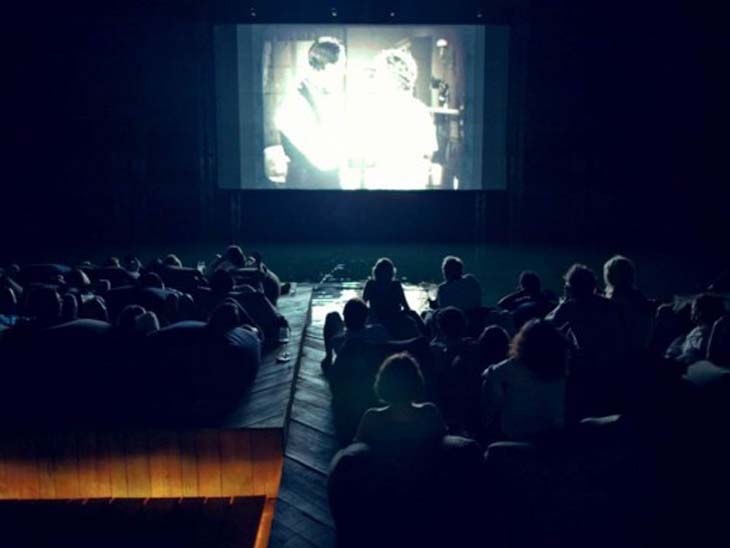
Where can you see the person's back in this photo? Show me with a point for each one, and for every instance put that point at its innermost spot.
(410, 425)
(459, 290)
(387, 300)
(593, 320)
(384, 299)
(636, 315)
(619, 274)
(524, 396)
(529, 406)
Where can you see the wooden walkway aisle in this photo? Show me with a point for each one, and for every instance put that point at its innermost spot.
(302, 517)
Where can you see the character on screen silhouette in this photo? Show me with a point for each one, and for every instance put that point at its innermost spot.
(397, 134)
(311, 119)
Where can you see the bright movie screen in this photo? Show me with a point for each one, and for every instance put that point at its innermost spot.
(355, 107)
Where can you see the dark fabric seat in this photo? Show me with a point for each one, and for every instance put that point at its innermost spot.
(415, 496)
(87, 372)
(594, 486)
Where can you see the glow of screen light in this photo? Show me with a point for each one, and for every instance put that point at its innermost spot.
(441, 43)
(456, 183)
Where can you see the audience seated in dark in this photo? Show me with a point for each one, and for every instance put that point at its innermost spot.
(692, 347)
(523, 397)
(112, 271)
(174, 274)
(249, 270)
(205, 365)
(352, 376)
(399, 483)
(354, 325)
(222, 287)
(388, 305)
(529, 301)
(149, 292)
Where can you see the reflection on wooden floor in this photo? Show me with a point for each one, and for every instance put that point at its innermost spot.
(302, 516)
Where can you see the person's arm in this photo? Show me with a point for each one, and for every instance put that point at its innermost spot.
(558, 316)
(402, 298)
(247, 320)
(12, 284)
(509, 302)
(367, 291)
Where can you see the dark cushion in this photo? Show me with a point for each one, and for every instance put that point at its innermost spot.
(420, 496)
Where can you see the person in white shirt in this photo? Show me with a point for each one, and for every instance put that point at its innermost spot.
(692, 347)
(523, 397)
(460, 290)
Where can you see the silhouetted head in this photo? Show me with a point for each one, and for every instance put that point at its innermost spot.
(452, 268)
(619, 273)
(172, 260)
(706, 309)
(530, 282)
(451, 322)
(541, 348)
(224, 317)
(44, 305)
(221, 282)
(8, 301)
(112, 262)
(326, 58)
(356, 314)
(384, 270)
(493, 344)
(235, 256)
(151, 279)
(580, 282)
(399, 380)
(128, 316)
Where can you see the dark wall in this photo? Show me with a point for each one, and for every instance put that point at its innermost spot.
(623, 104)
(111, 127)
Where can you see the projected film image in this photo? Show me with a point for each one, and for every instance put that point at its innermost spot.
(359, 109)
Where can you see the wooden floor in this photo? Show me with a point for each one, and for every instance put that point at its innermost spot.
(266, 405)
(131, 523)
(302, 517)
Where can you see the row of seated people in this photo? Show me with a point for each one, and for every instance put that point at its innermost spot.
(452, 439)
(128, 344)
